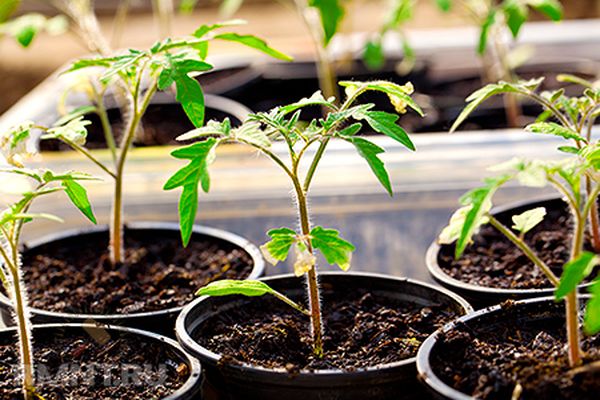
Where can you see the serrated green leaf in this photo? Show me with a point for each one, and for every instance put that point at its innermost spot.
(399, 92)
(335, 249)
(191, 98)
(574, 272)
(350, 130)
(187, 65)
(189, 177)
(369, 152)
(251, 133)
(165, 79)
(78, 196)
(485, 30)
(230, 287)
(278, 248)
(591, 321)
(528, 220)
(552, 128)
(255, 43)
(385, 123)
(551, 8)
(516, 14)
(332, 13)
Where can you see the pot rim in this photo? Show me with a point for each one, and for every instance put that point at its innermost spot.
(431, 260)
(195, 368)
(239, 241)
(191, 346)
(424, 368)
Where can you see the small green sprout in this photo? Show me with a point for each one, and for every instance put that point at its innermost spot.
(261, 131)
(567, 177)
(137, 75)
(12, 220)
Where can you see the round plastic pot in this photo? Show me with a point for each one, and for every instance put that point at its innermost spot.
(481, 296)
(188, 391)
(386, 381)
(540, 310)
(161, 321)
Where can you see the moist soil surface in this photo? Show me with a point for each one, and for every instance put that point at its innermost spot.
(493, 261)
(361, 330)
(487, 361)
(63, 356)
(76, 276)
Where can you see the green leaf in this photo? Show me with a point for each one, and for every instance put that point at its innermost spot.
(444, 5)
(335, 249)
(552, 128)
(485, 30)
(526, 221)
(369, 152)
(591, 321)
(7, 8)
(481, 95)
(398, 93)
(189, 177)
(212, 128)
(480, 200)
(204, 29)
(550, 8)
(278, 248)
(230, 287)
(26, 34)
(255, 43)
(516, 14)
(452, 231)
(568, 149)
(373, 55)
(78, 196)
(385, 123)
(187, 65)
(316, 99)
(350, 130)
(251, 133)
(332, 13)
(574, 272)
(191, 98)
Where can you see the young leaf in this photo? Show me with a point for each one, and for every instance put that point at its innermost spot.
(385, 123)
(228, 287)
(204, 29)
(78, 196)
(552, 128)
(399, 94)
(373, 55)
(332, 13)
(316, 99)
(516, 14)
(591, 320)
(444, 5)
(526, 221)
(574, 272)
(335, 249)
(568, 149)
(369, 151)
(189, 177)
(551, 8)
(485, 30)
(305, 261)
(278, 248)
(452, 231)
(191, 98)
(255, 43)
(480, 200)
(212, 128)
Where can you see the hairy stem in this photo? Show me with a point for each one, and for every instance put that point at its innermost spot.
(529, 253)
(312, 278)
(593, 218)
(572, 302)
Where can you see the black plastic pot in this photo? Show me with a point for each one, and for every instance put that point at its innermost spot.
(394, 380)
(481, 296)
(163, 321)
(163, 121)
(188, 391)
(543, 311)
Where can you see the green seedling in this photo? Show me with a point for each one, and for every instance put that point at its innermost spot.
(570, 118)
(26, 27)
(568, 178)
(16, 215)
(495, 19)
(139, 74)
(261, 131)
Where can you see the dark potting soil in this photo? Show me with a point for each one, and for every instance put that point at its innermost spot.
(361, 330)
(76, 276)
(488, 362)
(493, 261)
(162, 124)
(75, 365)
